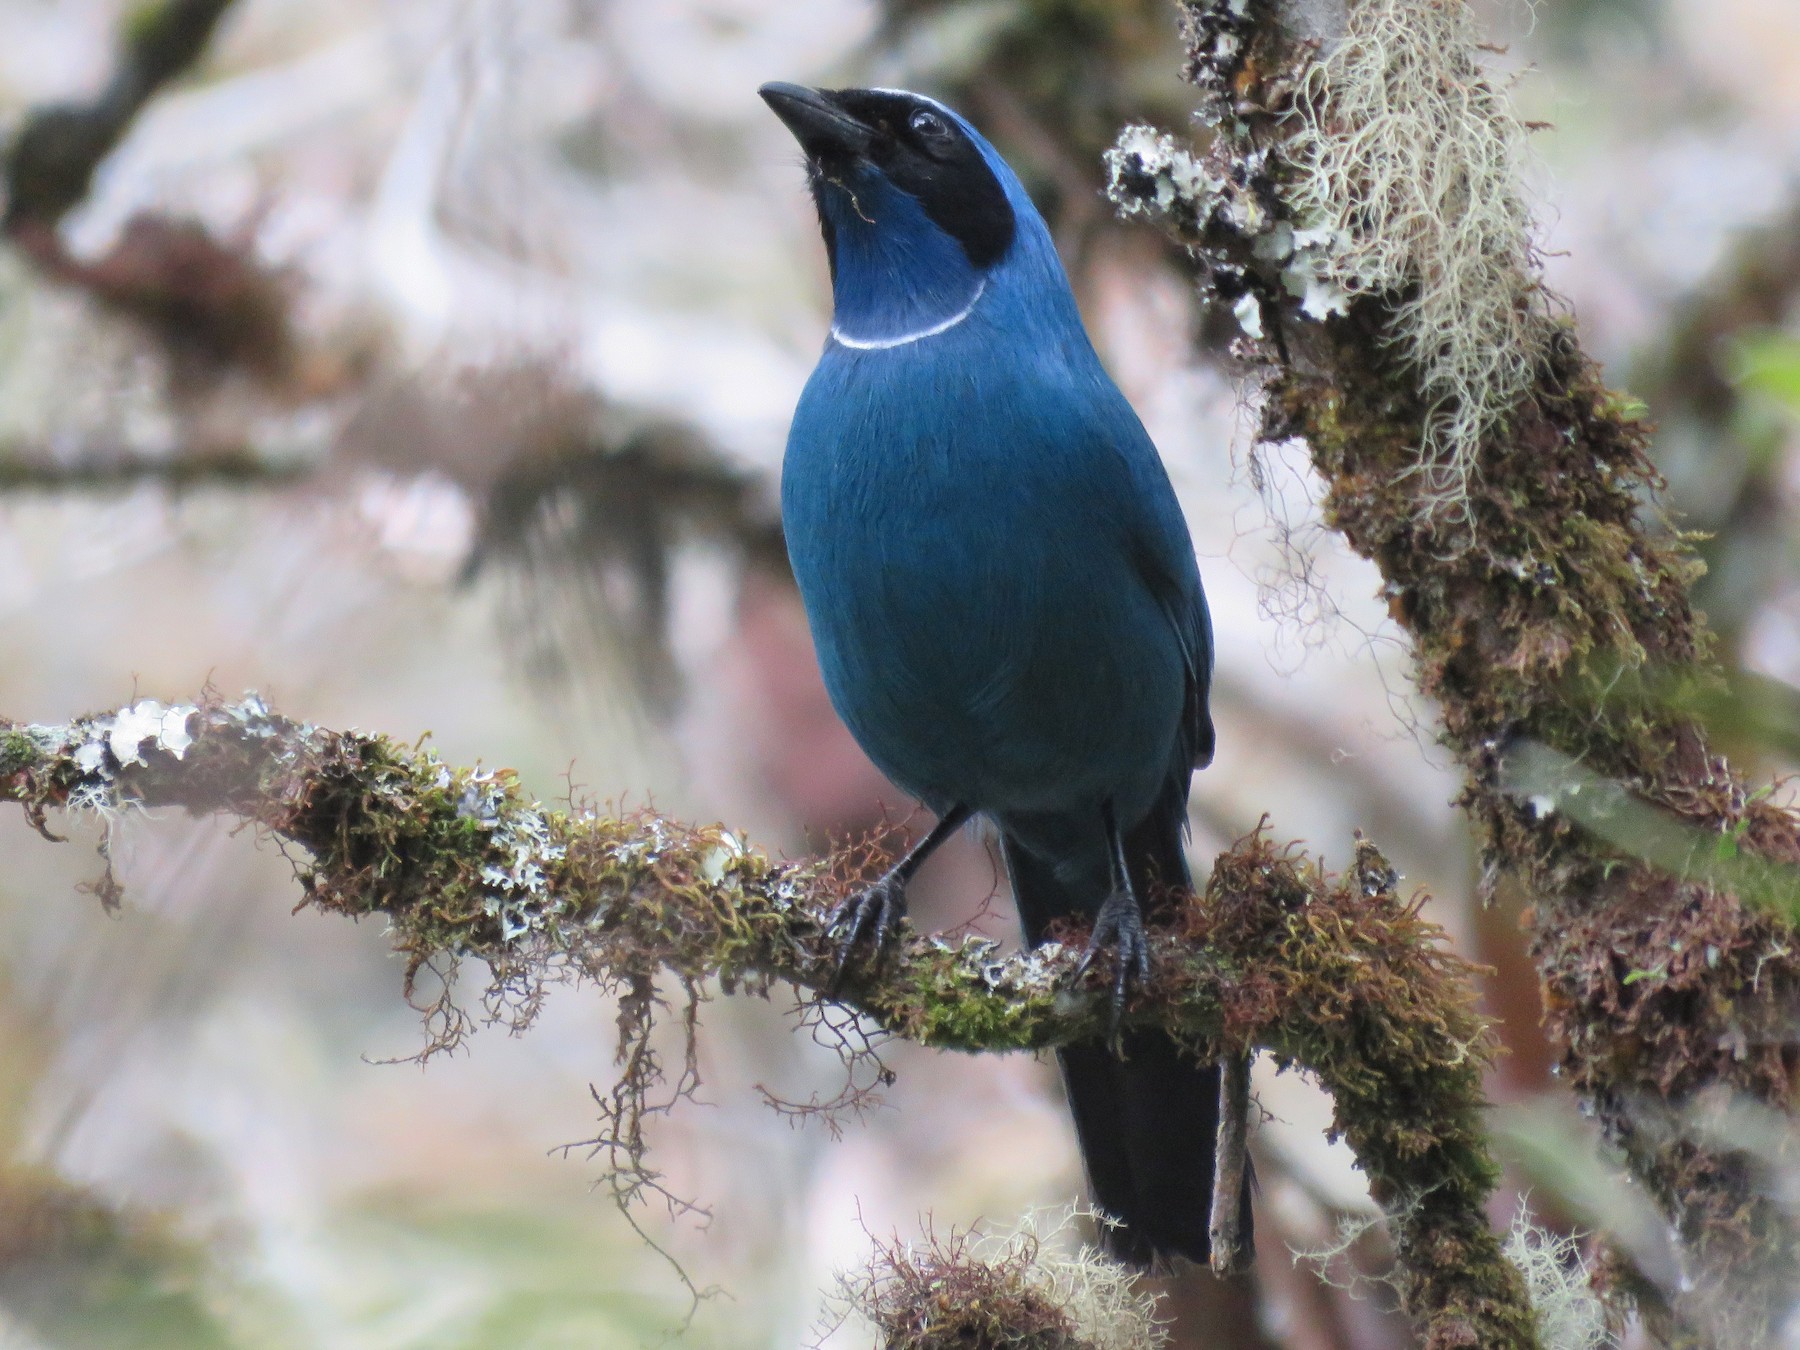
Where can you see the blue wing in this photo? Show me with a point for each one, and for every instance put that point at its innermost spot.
(1163, 553)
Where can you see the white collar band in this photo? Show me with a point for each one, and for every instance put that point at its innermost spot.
(843, 339)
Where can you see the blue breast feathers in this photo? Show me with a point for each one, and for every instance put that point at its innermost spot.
(896, 274)
(997, 574)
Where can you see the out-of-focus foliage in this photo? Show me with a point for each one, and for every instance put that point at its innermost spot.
(1768, 365)
(74, 1271)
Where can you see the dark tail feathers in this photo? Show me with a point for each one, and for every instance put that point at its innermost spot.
(1148, 1123)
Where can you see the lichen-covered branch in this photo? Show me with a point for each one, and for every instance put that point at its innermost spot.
(1336, 974)
(1361, 175)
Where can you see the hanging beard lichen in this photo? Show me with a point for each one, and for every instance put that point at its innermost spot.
(1406, 183)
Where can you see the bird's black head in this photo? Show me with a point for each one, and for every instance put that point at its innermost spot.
(913, 144)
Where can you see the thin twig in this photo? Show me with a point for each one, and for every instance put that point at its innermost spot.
(1230, 1254)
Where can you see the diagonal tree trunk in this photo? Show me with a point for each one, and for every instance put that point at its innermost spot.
(1361, 175)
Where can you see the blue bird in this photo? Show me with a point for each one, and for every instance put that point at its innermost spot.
(1003, 594)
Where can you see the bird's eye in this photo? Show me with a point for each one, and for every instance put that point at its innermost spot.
(928, 123)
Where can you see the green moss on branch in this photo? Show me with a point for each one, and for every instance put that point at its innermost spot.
(1335, 974)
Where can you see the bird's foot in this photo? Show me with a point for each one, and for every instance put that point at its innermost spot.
(1119, 930)
(878, 909)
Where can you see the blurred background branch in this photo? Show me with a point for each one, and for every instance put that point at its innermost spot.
(36, 471)
(75, 1267)
(53, 158)
(1716, 435)
(206, 299)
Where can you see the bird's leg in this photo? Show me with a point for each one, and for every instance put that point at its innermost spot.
(882, 904)
(1119, 928)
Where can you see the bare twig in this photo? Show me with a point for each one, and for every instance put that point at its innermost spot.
(1231, 1163)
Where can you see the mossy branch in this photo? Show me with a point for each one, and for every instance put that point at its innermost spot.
(1359, 193)
(1339, 975)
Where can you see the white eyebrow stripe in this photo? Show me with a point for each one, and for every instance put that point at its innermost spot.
(882, 344)
(909, 93)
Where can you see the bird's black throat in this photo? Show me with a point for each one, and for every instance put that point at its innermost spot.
(846, 132)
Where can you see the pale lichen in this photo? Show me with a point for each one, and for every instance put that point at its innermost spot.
(1151, 175)
(1570, 1314)
(1035, 1285)
(1386, 163)
(1407, 168)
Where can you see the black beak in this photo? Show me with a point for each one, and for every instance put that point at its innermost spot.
(824, 130)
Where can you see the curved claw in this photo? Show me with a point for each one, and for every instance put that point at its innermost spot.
(1119, 930)
(881, 907)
